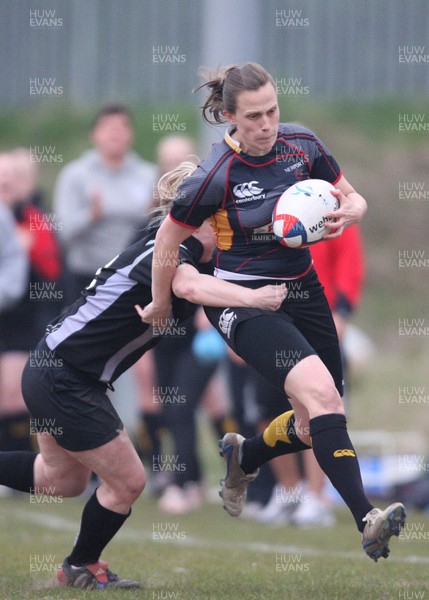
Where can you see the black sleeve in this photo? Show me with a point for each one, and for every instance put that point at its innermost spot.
(206, 268)
(190, 252)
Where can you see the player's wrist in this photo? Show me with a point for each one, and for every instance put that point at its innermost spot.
(161, 305)
(249, 297)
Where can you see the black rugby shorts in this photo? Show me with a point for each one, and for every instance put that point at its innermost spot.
(274, 342)
(67, 403)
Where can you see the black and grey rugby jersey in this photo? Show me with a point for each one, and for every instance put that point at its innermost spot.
(238, 192)
(101, 334)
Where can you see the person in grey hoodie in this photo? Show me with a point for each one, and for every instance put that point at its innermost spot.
(100, 199)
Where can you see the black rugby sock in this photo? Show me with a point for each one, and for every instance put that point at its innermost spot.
(278, 438)
(17, 470)
(337, 458)
(97, 528)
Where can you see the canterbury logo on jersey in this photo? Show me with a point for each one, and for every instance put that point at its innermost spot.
(344, 452)
(245, 192)
(225, 322)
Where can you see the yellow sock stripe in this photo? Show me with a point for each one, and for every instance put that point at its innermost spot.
(276, 430)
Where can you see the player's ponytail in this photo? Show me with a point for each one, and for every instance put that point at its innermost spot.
(213, 107)
(168, 186)
(226, 84)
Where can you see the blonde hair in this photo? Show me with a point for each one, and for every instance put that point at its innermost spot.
(168, 186)
(225, 85)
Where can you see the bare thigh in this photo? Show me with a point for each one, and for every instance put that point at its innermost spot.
(62, 472)
(56, 471)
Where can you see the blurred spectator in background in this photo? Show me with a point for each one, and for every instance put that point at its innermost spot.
(173, 380)
(340, 266)
(27, 177)
(13, 259)
(28, 196)
(101, 198)
(22, 324)
(185, 365)
(170, 152)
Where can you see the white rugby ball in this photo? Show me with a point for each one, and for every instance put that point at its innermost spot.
(299, 216)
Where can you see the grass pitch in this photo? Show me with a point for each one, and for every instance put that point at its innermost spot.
(208, 555)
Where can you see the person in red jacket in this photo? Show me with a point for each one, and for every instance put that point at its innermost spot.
(23, 324)
(340, 266)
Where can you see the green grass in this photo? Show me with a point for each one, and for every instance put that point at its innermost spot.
(217, 557)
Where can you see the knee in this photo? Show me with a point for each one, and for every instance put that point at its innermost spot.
(130, 488)
(135, 486)
(326, 399)
(318, 398)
